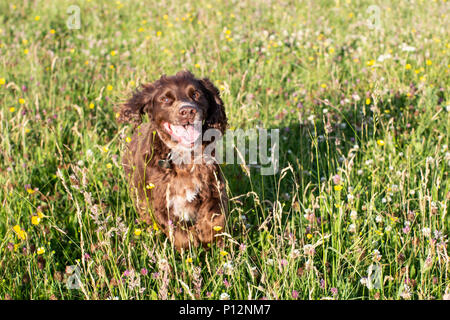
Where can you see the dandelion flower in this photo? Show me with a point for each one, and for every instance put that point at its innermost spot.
(12, 109)
(37, 18)
(338, 187)
(109, 87)
(137, 232)
(189, 260)
(155, 226)
(109, 165)
(21, 101)
(217, 228)
(309, 236)
(380, 142)
(2, 81)
(429, 62)
(128, 139)
(408, 66)
(223, 253)
(41, 250)
(368, 101)
(113, 53)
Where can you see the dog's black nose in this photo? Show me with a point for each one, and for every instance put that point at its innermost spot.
(188, 110)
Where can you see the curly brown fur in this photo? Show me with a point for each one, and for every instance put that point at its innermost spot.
(188, 200)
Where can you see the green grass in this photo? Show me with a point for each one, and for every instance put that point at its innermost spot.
(309, 68)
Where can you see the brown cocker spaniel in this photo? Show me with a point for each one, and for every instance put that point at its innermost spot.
(171, 186)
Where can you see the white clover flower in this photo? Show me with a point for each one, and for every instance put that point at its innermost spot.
(376, 255)
(228, 267)
(383, 57)
(309, 250)
(426, 231)
(353, 215)
(352, 228)
(224, 296)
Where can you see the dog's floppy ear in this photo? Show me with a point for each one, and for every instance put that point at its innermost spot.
(215, 116)
(140, 103)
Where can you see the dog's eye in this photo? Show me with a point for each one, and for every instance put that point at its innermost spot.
(195, 95)
(165, 99)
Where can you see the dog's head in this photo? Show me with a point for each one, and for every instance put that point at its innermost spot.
(180, 108)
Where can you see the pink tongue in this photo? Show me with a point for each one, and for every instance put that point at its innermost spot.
(184, 135)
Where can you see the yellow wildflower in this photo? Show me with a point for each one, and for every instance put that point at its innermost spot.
(91, 106)
(380, 142)
(217, 228)
(12, 109)
(41, 250)
(150, 186)
(109, 87)
(137, 232)
(109, 165)
(37, 18)
(155, 226)
(338, 187)
(21, 101)
(223, 253)
(21, 234)
(408, 66)
(35, 220)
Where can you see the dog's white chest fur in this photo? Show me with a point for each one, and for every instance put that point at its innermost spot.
(179, 200)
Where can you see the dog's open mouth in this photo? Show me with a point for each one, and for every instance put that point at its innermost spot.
(187, 134)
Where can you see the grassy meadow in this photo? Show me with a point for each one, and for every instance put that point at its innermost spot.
(358, 89)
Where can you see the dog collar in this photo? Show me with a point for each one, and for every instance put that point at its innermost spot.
(166, 163)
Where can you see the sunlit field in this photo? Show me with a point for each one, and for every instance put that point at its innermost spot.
(358, 89)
